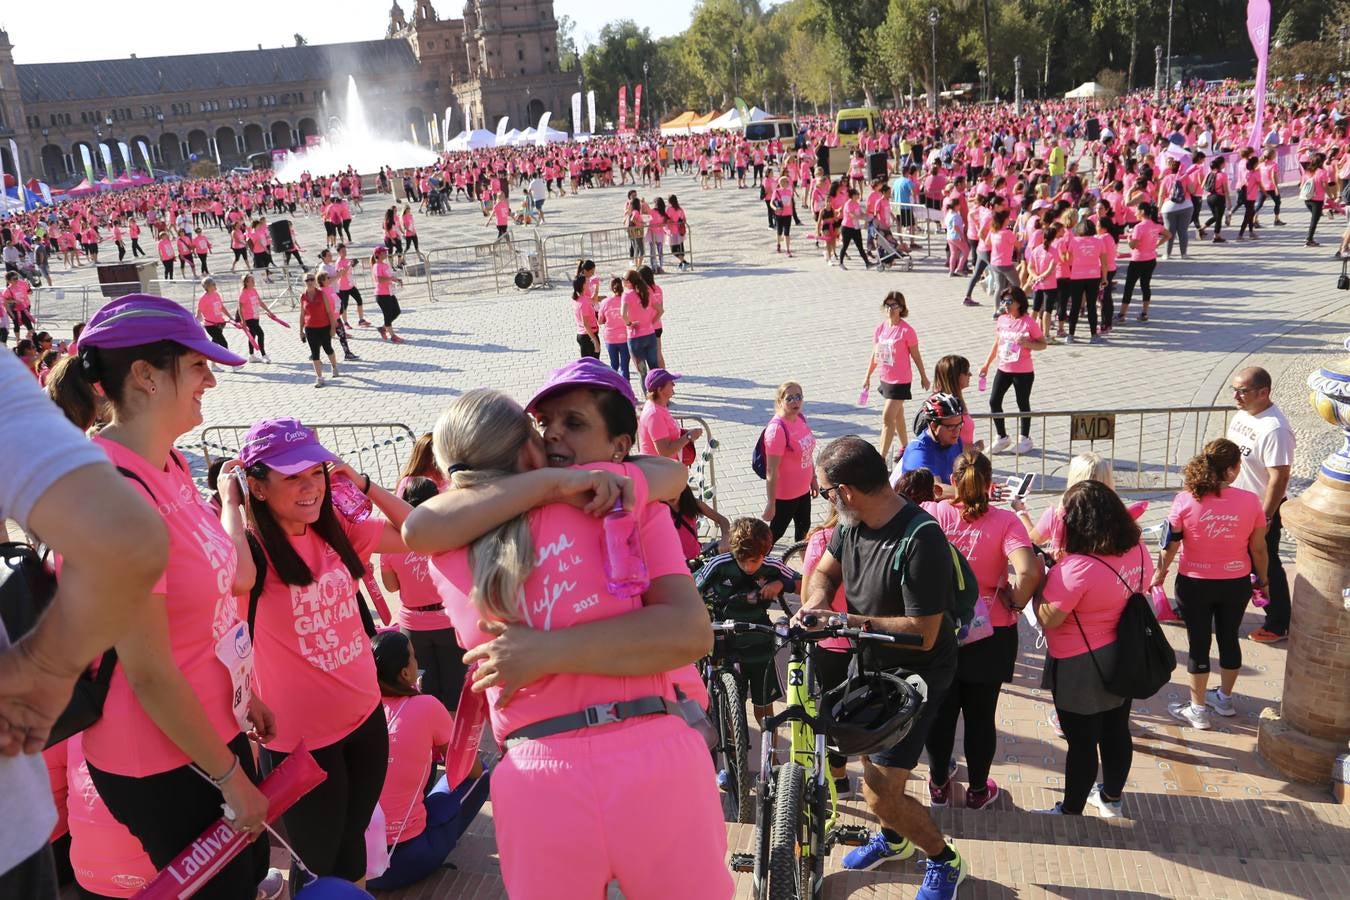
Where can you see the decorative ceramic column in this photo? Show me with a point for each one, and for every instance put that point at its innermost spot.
(1308, 739)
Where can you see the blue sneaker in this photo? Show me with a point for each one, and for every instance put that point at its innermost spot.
(723, 779)
(942, 879)
(875, 852)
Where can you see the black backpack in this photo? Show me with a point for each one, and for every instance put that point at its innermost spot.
(1144, 659)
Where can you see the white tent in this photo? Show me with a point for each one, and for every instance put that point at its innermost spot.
(551, 136)
(1088, 90)
(731, 119)
(522, 138)
(508, 137)
(472, 140)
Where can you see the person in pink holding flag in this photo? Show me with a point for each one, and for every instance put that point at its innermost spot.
(211, 313)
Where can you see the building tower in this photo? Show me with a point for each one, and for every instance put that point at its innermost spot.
(12, 122)
(511, 50)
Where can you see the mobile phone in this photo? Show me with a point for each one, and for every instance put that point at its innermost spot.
(1020, 485)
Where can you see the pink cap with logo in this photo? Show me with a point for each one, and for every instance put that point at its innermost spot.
(283, 445)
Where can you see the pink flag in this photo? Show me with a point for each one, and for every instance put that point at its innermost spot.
(471, 716)
(623, 108)
(1258, 29)
(637, 107)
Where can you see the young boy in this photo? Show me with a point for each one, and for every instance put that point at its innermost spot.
(743, 585)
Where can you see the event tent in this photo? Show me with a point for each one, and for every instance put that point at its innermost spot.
(679, 124)
(731, 119)
(551, 135)
(477, 139)
(1088, 90)
(699, 124)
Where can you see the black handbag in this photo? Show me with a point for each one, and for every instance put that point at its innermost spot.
(1343, 282)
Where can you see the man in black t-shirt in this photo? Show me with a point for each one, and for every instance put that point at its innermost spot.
(893, 585)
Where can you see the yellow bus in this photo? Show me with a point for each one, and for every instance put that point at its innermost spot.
(849, 123)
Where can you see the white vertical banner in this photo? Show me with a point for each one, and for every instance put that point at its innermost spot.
(107, 159)
(445, 126)
(126, 156)
(88, 160)
(576, 113)
(46, 192)
(18, 175)
(590, 108)
(149, 164)
(501, 129)
(434, 130)
(412, 127)
(541, 133)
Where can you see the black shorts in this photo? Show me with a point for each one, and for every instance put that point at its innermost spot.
(330, 229)
(762, 680)
(895, 391)
(783, 224)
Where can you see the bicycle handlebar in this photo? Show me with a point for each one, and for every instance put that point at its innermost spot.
(807, 633)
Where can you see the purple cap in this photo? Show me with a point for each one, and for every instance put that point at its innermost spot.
(586, 372)
(137, 319)
(378, 249)
(283, 445)
(660, 377)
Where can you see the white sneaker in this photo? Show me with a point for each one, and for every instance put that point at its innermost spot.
(1053, 721)
(1110, 809)
(265, 358)
(1001, 445)
(272, 887)
(1025, 445)
(1195, 716)
(1221, 703)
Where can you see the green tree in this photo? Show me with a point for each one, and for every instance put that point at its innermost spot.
(616, 59)
(718, 48)
(568, 55)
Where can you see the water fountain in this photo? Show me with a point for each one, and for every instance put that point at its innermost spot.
(350, 142)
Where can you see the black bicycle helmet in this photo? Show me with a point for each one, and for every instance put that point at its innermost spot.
(938, 406)
(871, 711)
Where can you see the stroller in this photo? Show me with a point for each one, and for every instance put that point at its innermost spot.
(437, 202)
(890, 251)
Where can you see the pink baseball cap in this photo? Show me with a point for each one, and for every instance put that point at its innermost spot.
(378, 249)
(659, 377)
(585, 372)
(283, 445)
(137, 319)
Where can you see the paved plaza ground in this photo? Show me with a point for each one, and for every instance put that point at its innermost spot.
(1206, 817)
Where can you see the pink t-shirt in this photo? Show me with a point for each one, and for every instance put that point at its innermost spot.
(1013, 356)
(249, 303)
(613, 330)
(642, 317)
(1084, 585)
(312, 661)
(567, 588)
(108, 860)
(890, 348)
(584, 313)
(1145, 237)
(794, 442)
(1085, 258)
(501, 210)
(384, 278)
(1215, 531)
(198, 596)
(211, 307)
(655, 423)
(415, 590)
(816, 546)
(1042, 259)
(987, 543)
(1001, 246)
(417, 725)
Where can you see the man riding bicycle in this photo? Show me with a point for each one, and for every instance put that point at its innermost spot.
(896, 580)
(742, 585)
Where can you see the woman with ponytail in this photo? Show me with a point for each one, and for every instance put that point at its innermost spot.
(1221, 532)
(583, 310)
(991, 539)
(1144, 238)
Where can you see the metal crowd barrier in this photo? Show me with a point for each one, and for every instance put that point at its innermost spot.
(605, 246)
(1147, 447)
(487, 267)
(703, 473)
(921, 226)
(377, 448)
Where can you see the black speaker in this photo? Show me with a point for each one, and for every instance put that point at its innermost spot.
(876, 166)
(1093, 129)
(120, 279)
(823, 158)
(280, 230)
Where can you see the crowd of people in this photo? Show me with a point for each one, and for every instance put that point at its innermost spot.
(242, 635)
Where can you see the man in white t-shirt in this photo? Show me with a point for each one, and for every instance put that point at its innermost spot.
(1267, 442)
(539, 192)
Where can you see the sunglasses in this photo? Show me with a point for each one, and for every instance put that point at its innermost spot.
(829, 492)
(792, 398)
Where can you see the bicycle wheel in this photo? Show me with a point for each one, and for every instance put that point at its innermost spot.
(784, 856)
(735, 760)
(794, 555)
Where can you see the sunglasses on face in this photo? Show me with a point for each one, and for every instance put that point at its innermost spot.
(792, 398)
(829, 492)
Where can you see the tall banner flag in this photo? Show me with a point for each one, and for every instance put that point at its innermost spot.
(501, 130)
(126, 156)
(576, 113)
(637, 107)
(145, 152)
(1258, 29)
(542, 131)
(107, 160)
(590, 108)
(88, 163)
(742, 110)
(623, 108)
(445, 126)
(18, 174)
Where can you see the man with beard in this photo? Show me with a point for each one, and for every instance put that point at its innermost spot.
(896, 568)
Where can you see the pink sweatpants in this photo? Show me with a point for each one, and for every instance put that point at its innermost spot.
(958, 252)
(636, 801)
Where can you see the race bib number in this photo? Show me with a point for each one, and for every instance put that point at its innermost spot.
(886, 353)
(234, 649)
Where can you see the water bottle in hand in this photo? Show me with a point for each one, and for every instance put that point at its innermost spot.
(625, 567)
(348, 500)
(1259, 596)
(984, 383)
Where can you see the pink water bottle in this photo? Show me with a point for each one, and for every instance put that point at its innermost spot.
(1259, 596)
(862, 397)
(353, 505)
(625, 567)
(984, 383)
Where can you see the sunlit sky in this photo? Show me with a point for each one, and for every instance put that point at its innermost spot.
(99, 30)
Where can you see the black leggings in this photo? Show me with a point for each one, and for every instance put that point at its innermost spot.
(169, 810)
(352, 293)
(977, 702)
(1218, 205)
(855, 236)
(217, 333)
(796, 511)
(1141, 271)
(327, 826)
(410, 243)
(1083, 291)
(256, 330)
(1248, 224)
(1213, 605)
(1274, 197)
(1021, 383)
(388, 304)
(586, 346)
(442, 663)
(319, 339)
(1315, 210)
(168, 268)
(1104, 736)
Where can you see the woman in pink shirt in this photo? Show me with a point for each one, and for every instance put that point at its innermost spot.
(614, 327)
(1312, 189)
(1016, 335)
(1144, 239)
(1087, 277)
(172, 742)
(1002, 245)
(1214, 189)
(422, 825)
(894, 345)
(1221, 532)
(1041, 265)
(789, 465)
(852, 221)
(1079, 609)
(583, 311)
(347, 289)
(1269, 170)
(992, 540)
(310, 629)
(249, 306)
(409, 229)
(211, 313)
(641, 311)
(383, 275)
(562, 789)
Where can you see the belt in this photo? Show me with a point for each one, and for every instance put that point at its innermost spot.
(592, 716)
(432, 608)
